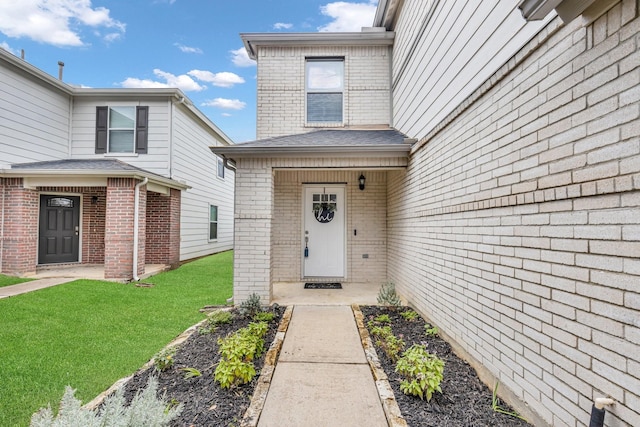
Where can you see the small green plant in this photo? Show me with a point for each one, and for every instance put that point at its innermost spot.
(145, 410)
(431, 331)
(238, 351)
(163, 360)
(409, 315)
(215, 319)
(264, 316)
(495, 404)
(191, 373)
(388, 296)
(251, 306)
(422, 371)
(383, 318)
(389, 343)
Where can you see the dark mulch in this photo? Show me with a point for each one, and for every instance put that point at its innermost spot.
(465, 400)
(205, 403)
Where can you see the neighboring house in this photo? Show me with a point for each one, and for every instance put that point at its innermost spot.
(113, 177)
(513, 220)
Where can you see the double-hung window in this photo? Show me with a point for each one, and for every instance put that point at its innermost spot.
(220, 168)
(324, 86)
(121, 129)
(213, 222)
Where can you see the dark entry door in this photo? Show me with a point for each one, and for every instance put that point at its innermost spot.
(59, 229)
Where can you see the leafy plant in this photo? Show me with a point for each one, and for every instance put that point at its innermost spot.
(389, 343)
(423, 372)
(431, 331)
(383, 318)
(409, 315)
(387, 295)
(215, 319)
(163, 360)
(251, 306)
(264, 316)
(190, 373)
(495, 404)
(238, 351)
(146, 409)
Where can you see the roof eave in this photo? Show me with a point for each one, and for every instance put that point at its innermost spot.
(365, 38)
(94, 173)
(238, 152)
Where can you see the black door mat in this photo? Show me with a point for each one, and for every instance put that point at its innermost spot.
(334, 285)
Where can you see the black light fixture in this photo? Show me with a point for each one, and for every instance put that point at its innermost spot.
(361, 182)
(94, 200)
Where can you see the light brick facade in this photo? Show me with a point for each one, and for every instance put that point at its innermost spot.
(515, 226)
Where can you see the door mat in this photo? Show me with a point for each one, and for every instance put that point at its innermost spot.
(334, 285)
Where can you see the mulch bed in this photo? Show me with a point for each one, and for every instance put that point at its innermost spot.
(465, 400)
(205, 402)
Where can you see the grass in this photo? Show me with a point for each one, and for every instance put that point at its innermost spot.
(10, 280)
(89, 333)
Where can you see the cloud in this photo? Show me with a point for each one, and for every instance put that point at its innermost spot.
(348, 16)
(55, 22)
(183, 82)
(225, 104)
(188, 49)
(223, 79)
(5, 46)
(240, 58)
(282, 26)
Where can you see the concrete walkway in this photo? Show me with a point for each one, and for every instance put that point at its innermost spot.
(34, 285)
(322, 377)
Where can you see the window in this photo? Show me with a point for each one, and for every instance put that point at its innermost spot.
(220, 168)
(121, 129)
(324, 86)
(213, 222)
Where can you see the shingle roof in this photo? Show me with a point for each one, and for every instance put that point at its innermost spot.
(80, 164)
(332, 137)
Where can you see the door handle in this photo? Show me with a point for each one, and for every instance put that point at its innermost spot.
(77, 230)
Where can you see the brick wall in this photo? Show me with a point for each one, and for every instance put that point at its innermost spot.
(118, 263)
(19, 227)
(516, 227)
(281, 87)
(163, 228)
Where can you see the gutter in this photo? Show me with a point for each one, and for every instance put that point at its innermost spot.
(239, 151)
(136, 212)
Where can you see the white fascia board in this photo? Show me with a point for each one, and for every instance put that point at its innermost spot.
(35, 72)
(83, 178)
(253, 40)
(535, 10)
(386, 13)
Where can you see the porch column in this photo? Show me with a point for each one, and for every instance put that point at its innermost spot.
(118, 238)
(252, 250)
(163, 228)
(18, 227)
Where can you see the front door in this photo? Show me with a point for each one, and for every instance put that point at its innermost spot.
(324, 232)
(59, 229)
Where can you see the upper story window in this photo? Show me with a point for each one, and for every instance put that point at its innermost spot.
(121, 129)
(324, 85)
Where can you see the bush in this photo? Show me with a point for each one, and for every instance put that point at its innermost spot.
(388, 296)
(145, 410)
(215, 319)
(389, 343)
(163, 360)
(422, 371)
(250, 307)
(238, 351)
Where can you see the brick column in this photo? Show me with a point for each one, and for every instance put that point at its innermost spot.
(19, 227)
(119, 221)
(252, 252)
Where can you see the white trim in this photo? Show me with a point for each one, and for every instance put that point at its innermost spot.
(209, 223)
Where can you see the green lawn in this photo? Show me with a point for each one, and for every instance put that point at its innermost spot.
(10, 280)
(89, 333)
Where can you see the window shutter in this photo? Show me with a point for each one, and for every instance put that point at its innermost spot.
(142, 133)
(102, 117)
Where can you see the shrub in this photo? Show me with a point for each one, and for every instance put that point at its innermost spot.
(389, 343)
(251, 306)
(238, 351)
(409, 315)
(145, 410)
(422, 371)
(430, 331)
(216, 318)
(264, 316)
(388, 297)
(383, 318)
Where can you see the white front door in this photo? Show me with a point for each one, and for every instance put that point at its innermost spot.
(324, 232)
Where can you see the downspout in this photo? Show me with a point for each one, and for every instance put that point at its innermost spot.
(2, 228)
(136, 211)
(597, 411)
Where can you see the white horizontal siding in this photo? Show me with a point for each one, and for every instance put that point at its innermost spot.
(34, 119)
(195, 164)
(442, 55)
(157, 159)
